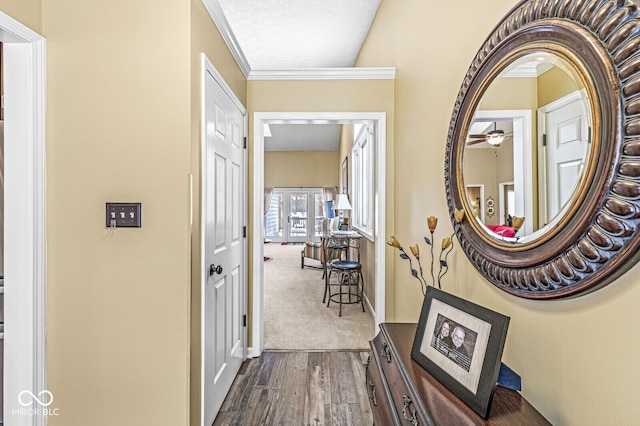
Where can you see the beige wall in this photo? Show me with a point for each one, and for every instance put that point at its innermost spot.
(27, 12)
(121, 126)
(118, 126)
(301, 169)
(573, 355)
(554, 84)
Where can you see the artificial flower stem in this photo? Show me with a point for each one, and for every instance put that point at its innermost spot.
(411, 269)
(446, 255)
(433, 282)
(423, 283)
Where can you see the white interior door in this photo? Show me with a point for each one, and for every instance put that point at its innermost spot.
(224, 345)
(566, 130)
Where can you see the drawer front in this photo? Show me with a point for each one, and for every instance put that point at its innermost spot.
(401, 397)
(378, 396)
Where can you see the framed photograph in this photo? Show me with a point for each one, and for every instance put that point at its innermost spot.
(460, 344)
(345, 176)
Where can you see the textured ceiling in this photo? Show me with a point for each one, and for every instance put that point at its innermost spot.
(303, 137)
(295, 34)
(289, 34)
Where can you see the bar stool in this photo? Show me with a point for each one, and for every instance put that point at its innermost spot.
(350, 275)
(333, 248)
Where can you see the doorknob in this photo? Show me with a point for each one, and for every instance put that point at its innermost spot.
(213, 269)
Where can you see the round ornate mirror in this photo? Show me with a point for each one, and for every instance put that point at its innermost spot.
(543, 151)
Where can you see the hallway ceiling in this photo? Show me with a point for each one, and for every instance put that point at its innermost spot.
(274, 35)
(303, 137)
(291, 34)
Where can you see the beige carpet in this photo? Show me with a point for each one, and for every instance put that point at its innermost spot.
(294, 315)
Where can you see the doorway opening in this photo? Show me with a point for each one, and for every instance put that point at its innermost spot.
(521, 163)
(260, 120)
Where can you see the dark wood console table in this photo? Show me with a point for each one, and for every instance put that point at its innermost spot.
(401, 392)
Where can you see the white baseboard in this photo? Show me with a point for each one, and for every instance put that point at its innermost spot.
(373, 312)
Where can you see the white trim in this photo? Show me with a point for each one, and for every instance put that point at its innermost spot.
(357, 161)
(257, 314)
(25, 263)
(522, 154)
(208, 68)
(502, 202)
(381, 73)
(259, 120)
(14, 32)
(380, 227)
(222, 24)
(533, 71)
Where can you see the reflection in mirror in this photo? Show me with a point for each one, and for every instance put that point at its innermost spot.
(527, 146)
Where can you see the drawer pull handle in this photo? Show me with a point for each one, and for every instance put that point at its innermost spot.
(372, 394)
(386, 352)
(407, 402)
(370, 390)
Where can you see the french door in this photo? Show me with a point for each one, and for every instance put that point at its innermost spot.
(294, 215)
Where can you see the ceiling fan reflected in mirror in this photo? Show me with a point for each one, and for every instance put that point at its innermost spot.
(493, 137)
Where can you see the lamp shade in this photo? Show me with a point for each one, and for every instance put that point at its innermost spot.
(342, 203)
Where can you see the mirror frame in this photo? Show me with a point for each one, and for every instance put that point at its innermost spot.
(598, 238)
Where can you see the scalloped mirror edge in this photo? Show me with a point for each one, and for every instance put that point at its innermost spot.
(597, 239)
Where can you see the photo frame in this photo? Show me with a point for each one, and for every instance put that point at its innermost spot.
(466, 357)
(345, 176)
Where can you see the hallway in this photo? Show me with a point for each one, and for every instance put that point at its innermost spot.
(299, 388)
(295, 317)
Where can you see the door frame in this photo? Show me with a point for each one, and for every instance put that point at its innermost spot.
(24, 256)
(207, 67)
(502, 201)
(259, 120)
(522, 154)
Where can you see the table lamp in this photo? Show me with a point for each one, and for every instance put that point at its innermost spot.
(341, 205)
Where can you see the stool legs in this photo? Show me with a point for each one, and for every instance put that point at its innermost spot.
(349, 279)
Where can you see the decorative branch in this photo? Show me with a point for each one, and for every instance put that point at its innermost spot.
(445, 249)
(447, 243)
(403, 254)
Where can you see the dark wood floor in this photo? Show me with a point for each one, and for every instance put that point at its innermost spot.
(299, 388)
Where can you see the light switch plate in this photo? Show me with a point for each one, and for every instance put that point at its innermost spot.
(123, 215)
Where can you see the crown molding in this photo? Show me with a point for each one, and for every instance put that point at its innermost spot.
(381, 73)
(221, 22)
(529, 71)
